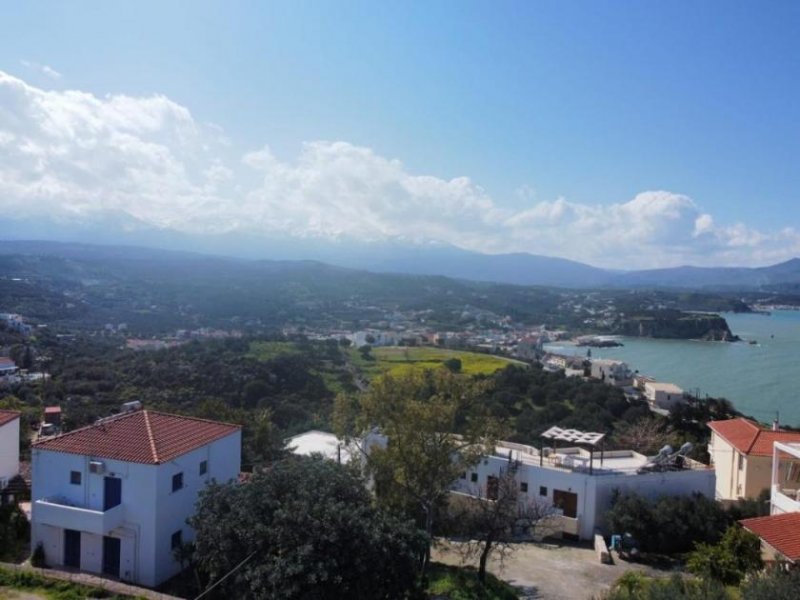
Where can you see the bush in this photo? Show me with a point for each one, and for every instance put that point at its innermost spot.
(671, 524)
(738, 553)
(635, 586)
(38, 557)
(776, 584)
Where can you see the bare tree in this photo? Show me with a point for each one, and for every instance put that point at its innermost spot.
(646, 435)
(496, 517)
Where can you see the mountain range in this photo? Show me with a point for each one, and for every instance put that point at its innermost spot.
(449, 261)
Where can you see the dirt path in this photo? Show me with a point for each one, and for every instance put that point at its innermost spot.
(547, 571)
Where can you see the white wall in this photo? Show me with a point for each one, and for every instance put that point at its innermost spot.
(9, 449)
(594, 491)
(173, 508)
(152, 511)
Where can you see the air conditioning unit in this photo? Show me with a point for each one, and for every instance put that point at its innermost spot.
(96, 467)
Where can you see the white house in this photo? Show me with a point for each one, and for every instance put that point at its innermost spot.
(581, 482)
(613, 372)
(9, 446)
(578, 481)
(114, 497)
(662, 395)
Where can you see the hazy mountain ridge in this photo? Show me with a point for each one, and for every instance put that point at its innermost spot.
(441, 260)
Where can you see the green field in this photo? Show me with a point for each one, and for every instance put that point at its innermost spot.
(397, 360)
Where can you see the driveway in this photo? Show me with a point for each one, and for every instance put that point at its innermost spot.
(550, 571)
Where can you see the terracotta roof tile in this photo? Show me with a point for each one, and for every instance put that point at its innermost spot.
(143, 436)
(749, 438)
(6, 416)
(782, 532)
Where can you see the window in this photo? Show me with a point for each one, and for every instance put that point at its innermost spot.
(177, 539)
(75, 477)
(473, 477)
(203, 467)
(177, 482)
(523, 487)
(463, 475)
(542, 490)
(741, 462)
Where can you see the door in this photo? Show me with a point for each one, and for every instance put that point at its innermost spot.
(566, 501)
(112, 492)
(111, 554)
(72, 548)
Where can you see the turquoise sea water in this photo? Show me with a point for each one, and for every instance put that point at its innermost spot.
(759, 379)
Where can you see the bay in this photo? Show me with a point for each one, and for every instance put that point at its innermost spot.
(760, 379)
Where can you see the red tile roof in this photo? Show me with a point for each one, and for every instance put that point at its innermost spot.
(143, 436)
(782, 532)
(6, 416)
(749, 438)
(51, 410)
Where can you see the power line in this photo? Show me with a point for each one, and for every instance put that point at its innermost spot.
(228, 574)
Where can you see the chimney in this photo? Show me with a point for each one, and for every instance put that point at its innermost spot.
(776, 425)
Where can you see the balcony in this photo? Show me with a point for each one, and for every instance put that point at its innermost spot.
(785, 499)
(58, 512)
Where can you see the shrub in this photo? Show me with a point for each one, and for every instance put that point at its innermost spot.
(738, 553)
(38, 557)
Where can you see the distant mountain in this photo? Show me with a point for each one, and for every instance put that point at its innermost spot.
(399, 257)
(785, 273)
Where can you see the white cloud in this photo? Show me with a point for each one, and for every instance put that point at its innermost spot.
(46, 70)
(146, 162)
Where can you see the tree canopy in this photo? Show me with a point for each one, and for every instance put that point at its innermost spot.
(305, 529)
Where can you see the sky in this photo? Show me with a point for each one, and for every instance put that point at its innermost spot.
(623, 134)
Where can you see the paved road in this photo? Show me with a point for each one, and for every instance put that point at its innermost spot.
(549, 571)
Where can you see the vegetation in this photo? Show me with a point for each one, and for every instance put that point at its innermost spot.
(636, 586)
(399, 360)
(671, 524)
(736, 555)
(491, 521)
(51, 589)
(460, 583)
(307, 528)
(14, 533)
(436, 429)
(776, 584)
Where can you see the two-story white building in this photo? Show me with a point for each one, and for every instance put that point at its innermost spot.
(114, 497)
(9, 446)
(612, 372)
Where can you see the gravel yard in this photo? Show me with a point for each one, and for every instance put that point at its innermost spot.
(549, 571)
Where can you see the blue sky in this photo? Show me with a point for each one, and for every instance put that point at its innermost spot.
(560, 114)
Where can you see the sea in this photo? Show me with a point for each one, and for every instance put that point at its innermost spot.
(762, 379)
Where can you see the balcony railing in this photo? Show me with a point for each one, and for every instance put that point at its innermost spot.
(786, 498)
(59, 512)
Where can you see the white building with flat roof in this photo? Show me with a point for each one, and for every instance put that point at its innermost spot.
(581, 483)
(663, 395)
(114, 497)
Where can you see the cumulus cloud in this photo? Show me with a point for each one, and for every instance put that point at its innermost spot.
(146, 162)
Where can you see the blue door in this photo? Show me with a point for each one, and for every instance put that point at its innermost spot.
(112, 492)
(111, 553)
(72, 548)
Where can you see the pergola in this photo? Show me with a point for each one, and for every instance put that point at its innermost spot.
(573, 436)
